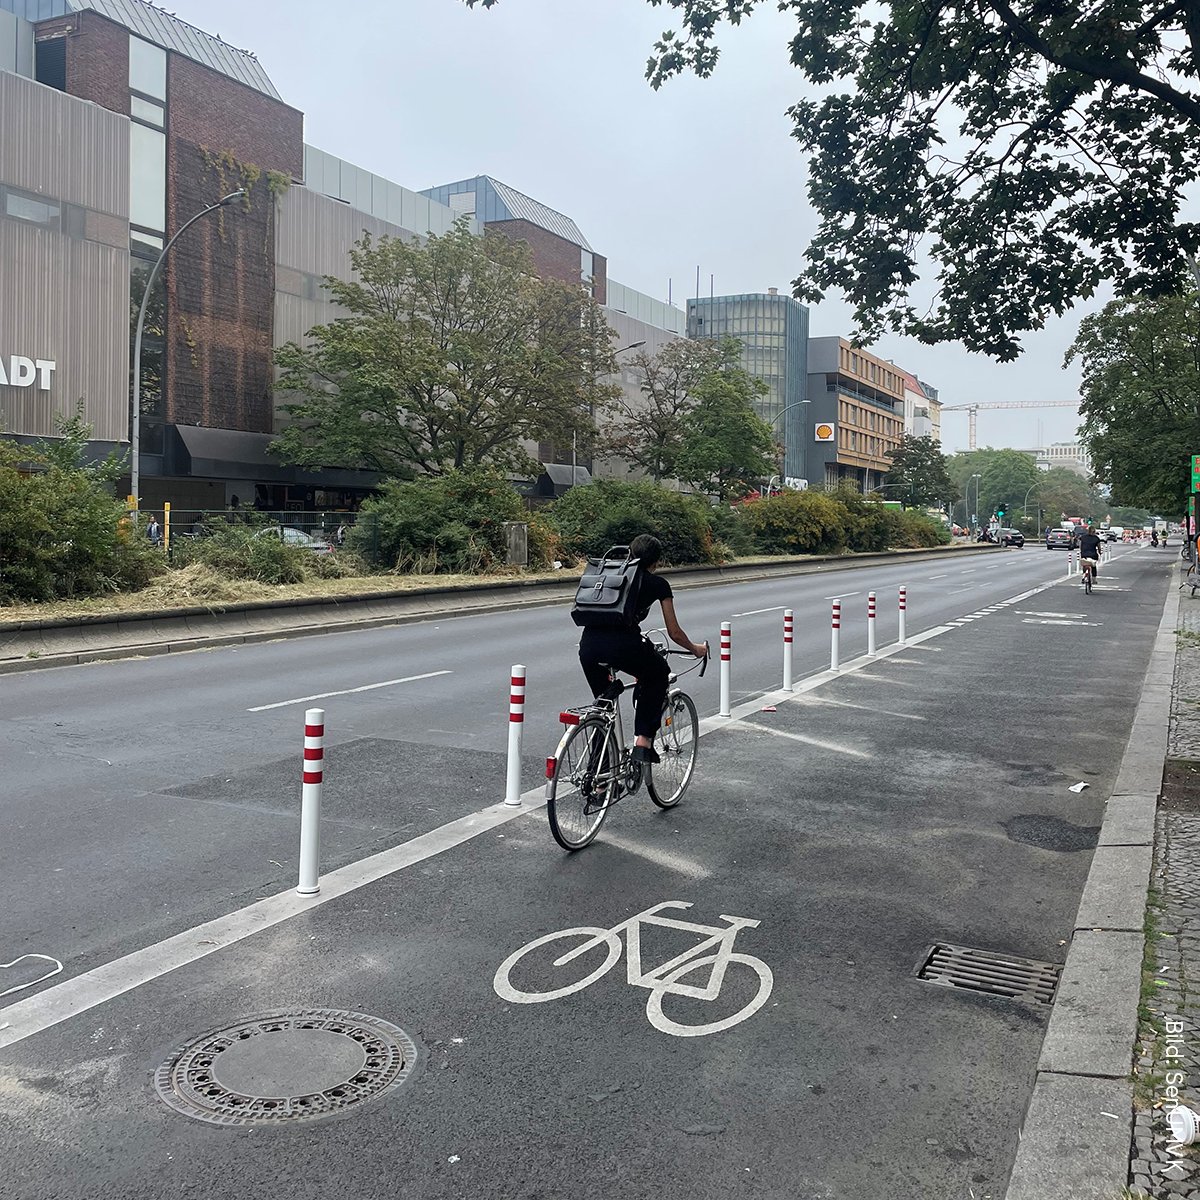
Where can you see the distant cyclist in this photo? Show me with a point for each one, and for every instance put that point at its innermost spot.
(627, 650)
(1089, 552)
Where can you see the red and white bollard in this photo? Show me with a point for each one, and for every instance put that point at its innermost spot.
(787, 650)
(871, 624)
(834, 656)
(516, 726)
(313, 777)
(726, 658)
(1070, 563)
(903, 615)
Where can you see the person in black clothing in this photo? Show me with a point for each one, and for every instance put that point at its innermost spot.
(1089, 552)
(627, 650)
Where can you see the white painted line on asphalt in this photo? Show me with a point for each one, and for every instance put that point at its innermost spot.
(754, 612)
(943, 576)
(1077, 624)
(1029, 612)
(808, 741)
(663, 858)
(969, 571)
(841, 595)
(871, 708)
(369, 687)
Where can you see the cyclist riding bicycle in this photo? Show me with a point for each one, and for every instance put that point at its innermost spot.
(1089, 552)
(627, 650)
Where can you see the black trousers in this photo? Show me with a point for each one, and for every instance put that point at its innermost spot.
(628, 651)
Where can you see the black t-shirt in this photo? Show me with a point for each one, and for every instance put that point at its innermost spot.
(652, 590)
(1089, 546)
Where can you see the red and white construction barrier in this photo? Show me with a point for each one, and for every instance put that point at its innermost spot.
(787, 649)
(313, 778)
(726, 660)
(835, 639)
(871, 623)
(903, 614)
(516, 726)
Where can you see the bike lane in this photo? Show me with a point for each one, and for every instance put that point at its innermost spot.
(922, 799)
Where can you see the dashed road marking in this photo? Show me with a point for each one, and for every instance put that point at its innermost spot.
(368, 687)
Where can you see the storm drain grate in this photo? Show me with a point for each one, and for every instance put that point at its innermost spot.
(991, 973)
(282, 1067)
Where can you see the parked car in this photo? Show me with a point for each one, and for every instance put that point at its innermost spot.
(1012, 537)
(1061, 539)
(294, 536)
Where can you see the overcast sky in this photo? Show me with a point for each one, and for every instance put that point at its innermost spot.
(550, 97)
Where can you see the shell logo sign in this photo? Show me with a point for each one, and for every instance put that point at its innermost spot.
(824, 432)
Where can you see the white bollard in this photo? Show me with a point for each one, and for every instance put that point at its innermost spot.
(871, 623)
(726, 657)
(834, 658)
(313, 776)
(903, 615)
(787, 650)
(1069, 556)
(516, 725)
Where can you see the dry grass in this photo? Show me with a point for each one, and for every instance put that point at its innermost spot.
(200, 586)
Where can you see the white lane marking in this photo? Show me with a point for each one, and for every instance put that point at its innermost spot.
(841, 595)
(943, 576)
(1029, 612)
(369, 687)
(871, 708)
(75, 996)
(754, 612)
(20, 987)
(808, 741)
(1077, 624)
(662, 858)
(971, 571)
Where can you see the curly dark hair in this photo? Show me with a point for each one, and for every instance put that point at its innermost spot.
(647, 548)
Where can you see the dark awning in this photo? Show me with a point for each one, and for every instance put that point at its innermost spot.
(565, 475)
(237, 454)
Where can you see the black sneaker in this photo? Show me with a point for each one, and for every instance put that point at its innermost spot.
(645, 754)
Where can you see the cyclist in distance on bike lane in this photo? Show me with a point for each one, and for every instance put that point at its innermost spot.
(1089, 551)
(627, 650)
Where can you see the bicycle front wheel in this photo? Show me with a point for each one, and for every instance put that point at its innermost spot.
(678, 733)
(584, 783)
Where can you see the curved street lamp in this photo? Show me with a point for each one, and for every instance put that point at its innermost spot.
(803, 436)
(135, 434)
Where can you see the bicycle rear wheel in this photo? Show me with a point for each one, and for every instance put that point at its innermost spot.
(584, 783)
(1087, 582)
(678, 733)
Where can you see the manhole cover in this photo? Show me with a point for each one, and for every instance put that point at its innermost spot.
(993, 974)
(286, 1066)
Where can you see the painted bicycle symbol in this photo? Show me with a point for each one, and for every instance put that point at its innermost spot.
(668, 979)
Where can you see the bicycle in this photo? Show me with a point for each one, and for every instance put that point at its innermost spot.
(592, 768)
(1087, 576)
(714, 951)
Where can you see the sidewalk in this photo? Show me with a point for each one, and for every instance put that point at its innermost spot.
(1167, 1057)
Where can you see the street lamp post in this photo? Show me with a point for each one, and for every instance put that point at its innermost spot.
(574, 433)
(974, 512)
(135, 434)
(803, 436)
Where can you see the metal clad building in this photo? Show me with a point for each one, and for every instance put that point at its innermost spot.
(64, 246)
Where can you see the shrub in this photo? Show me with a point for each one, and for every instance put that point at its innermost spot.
(452, 522)
(916, 530)
(797, 523)
(62, 534)
(545, 545)
(242, 552)
(612, 512)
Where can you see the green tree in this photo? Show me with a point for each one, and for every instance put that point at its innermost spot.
(918, 477)
(727, 446)
(450, 355)
(650, 433)
(1033, 149)
(1063, 493)
(1141, 397)
(1007, 478)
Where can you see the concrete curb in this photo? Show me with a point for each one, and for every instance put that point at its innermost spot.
(1077, 1131)
(33, 646)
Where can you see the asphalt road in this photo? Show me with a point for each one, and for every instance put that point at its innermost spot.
(142, 796)
(924, 799)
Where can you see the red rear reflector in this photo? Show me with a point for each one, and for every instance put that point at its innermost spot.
(569, 718)
(551, 763)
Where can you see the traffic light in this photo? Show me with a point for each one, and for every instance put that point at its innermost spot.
(1001, 509)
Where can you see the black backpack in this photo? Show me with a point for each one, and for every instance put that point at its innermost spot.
(607, 596)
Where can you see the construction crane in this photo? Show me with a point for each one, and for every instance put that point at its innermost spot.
(973, 410)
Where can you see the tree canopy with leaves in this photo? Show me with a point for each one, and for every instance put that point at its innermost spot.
(1141, 398)
(1030, 148)
(918, 476)
(450, 354)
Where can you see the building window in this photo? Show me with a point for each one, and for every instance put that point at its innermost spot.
(32, 209)
(147, 177)
(148, 111)
(147, 69)
(50, 63)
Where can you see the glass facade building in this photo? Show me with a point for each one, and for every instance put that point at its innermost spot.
(773, 331)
